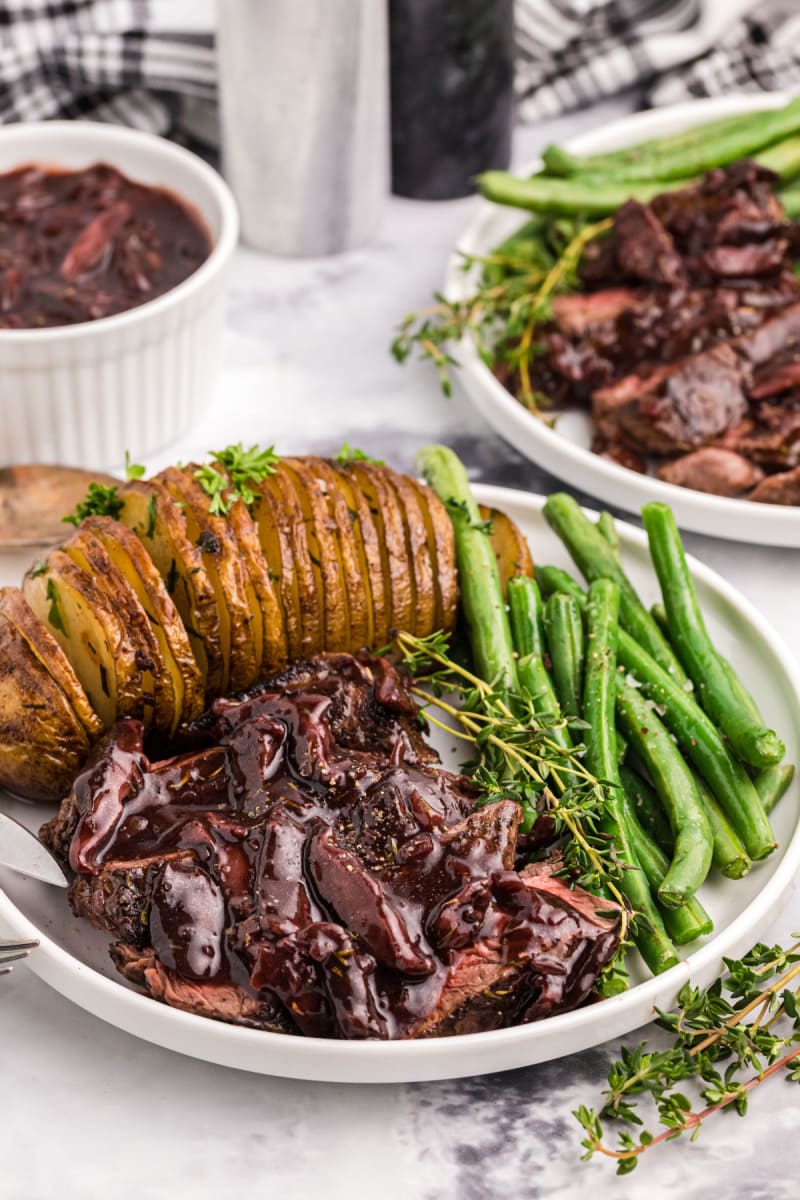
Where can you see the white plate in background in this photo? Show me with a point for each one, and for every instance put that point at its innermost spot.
(565, 449)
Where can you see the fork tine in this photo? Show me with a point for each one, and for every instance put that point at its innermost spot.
(4, 946)
(5, 959)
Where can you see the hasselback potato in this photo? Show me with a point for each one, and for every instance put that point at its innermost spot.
(196, 588)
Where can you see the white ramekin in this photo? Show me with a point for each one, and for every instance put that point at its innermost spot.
(84, 394)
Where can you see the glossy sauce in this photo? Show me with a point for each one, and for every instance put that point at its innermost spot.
(79, 245)
(354, 884)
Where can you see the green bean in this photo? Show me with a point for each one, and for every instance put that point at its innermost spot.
(482, 600)
(553, 579)
(744, 696)
(699, 738)
(730, 857)
(622, 748)
(565, 196)
(790, 199)
(525, 246)
(536, 683)
(527, 627)
(527, 616)
(659, 615)
(772, 783)
(741, 138)
(674, 783)
(750, 739)
(564, 631)
(783, 158)
(608, 528)
(647, 806)
(684, 924)
(561, 162)
(596, 560)
(599, 699)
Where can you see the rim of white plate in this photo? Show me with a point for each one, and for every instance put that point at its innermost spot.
(719, 516)
(381, 1062)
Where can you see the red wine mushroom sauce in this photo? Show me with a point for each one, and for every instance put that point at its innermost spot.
(79, 245)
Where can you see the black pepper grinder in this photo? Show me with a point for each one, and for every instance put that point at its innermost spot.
(452, 94)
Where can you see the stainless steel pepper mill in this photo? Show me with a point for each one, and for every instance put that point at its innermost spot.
(304, 93)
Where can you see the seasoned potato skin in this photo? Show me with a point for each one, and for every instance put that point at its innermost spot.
(330, 555)
(152, 513)
(137, 566)
(42, 742)
(510, 547)
(15, 608)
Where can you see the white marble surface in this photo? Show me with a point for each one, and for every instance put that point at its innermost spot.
(89, 1112)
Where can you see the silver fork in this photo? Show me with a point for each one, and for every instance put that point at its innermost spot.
(11, 952)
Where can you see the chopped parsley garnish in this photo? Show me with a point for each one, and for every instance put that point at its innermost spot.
(39, 568)
(101, 501)
(151, 516)
(233, 474)
(132, 470)
(54, 613)
(348, 454)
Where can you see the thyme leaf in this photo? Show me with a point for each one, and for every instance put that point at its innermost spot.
(727, 1040)
(512, 299)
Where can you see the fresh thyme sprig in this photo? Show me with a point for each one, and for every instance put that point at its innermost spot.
(750, 1022)
(232, 474)
(513, 297)
(515, 756)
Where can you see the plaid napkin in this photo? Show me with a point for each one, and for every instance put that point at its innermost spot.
(147, 63)
(150, 63)
(573, 52)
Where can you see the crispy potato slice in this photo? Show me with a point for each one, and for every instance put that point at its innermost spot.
(509, 544)
(369, 552)
(130, 557)
(397, 571)
(223, 562)
(91, 633)
(16, 609)
(43, 744)
(308, 575)
(416, 536)
(268, 625)
(343, 519)
(442, 547)
(324, 553)
(88, 553)
(160, 525)
(273, 522)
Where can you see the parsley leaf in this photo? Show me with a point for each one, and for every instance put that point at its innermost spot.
(132, 470)
(101, 501)
(348, 454)
(232, 475)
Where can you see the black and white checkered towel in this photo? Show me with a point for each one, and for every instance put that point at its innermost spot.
(573, 52)
(150, 63)
(147, 63)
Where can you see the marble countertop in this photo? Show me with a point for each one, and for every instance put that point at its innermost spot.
(89, 1111)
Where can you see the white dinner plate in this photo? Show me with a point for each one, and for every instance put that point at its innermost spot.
(565, 449)
(73, 958)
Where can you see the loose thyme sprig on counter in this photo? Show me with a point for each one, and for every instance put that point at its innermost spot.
(749, 1021)
(513, 296)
